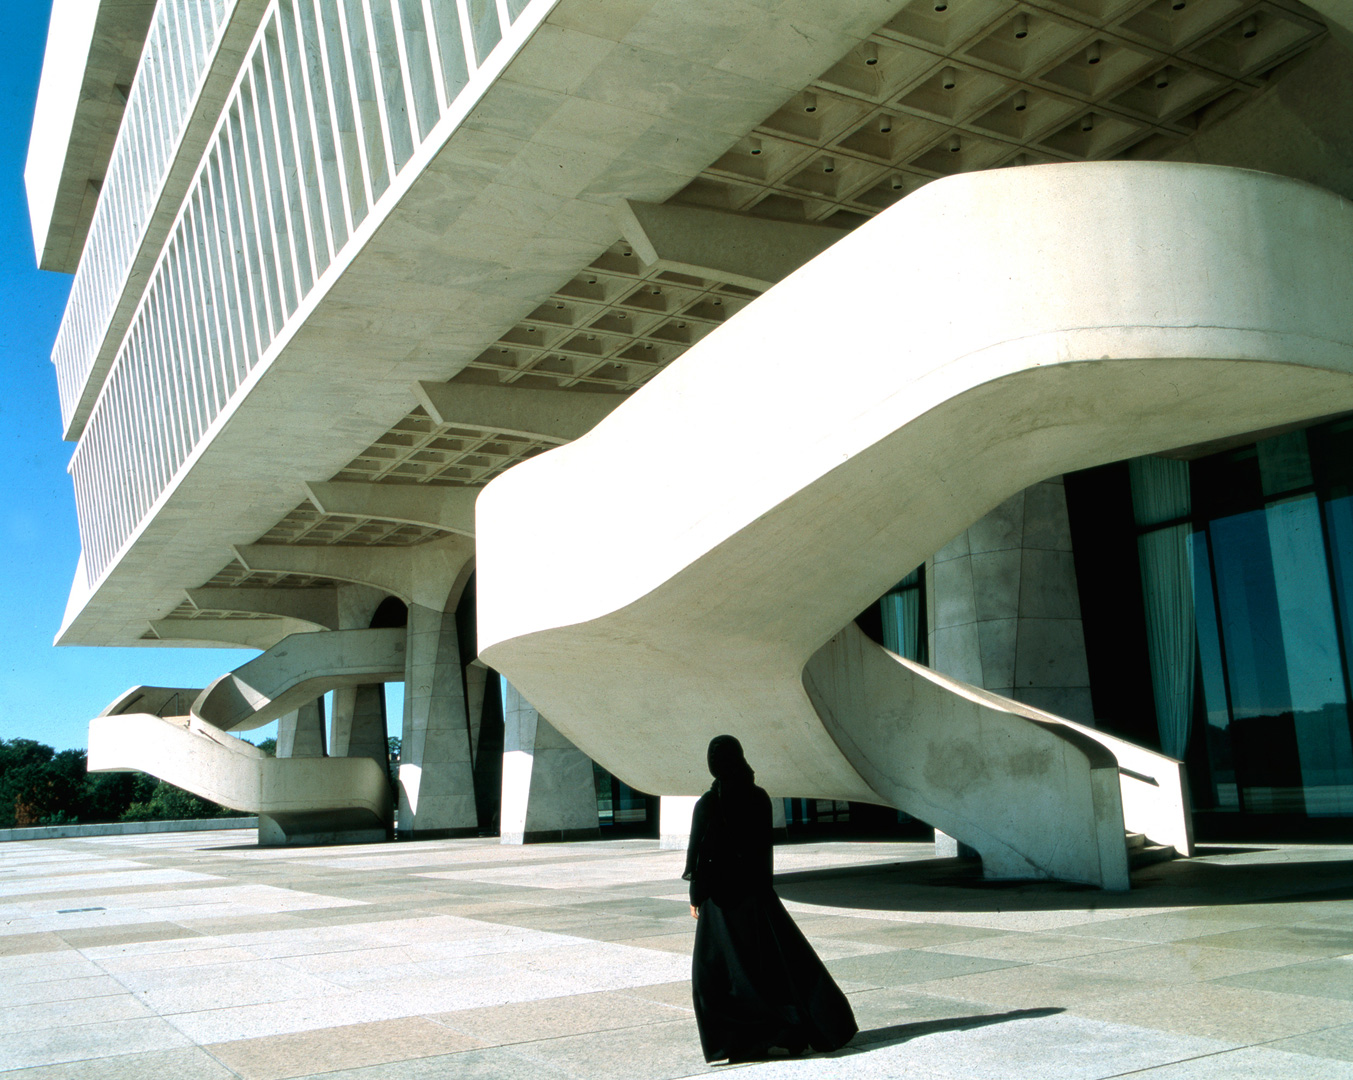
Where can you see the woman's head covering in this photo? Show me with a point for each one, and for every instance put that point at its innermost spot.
(726, 763)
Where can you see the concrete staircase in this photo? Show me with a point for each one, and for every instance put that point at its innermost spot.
(1143, 853)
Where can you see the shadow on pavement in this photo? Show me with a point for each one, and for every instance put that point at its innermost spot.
(957, 885)
(876, 1038)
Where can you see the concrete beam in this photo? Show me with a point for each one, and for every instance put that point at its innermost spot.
(431, 574)
(230, 633)
(446, 508)
(1339, 13)
(552, 415)
(316, 606)
(741, 250)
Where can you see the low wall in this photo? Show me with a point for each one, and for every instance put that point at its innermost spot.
(127, 828)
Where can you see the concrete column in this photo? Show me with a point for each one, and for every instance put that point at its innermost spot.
(476, 681)
(359, 726)
(1004, 609)
(359, 723)
(946, 847)
(548, 788)
(674, 821)
(436, 779)
(301, 733)
(1005, 612)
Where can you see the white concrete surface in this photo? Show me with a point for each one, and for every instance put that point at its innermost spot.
(1126, 308)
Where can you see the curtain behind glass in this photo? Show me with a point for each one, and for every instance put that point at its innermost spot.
(1160, 492)
(901, 612)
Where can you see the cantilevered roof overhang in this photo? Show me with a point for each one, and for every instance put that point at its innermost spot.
(93, 47)
(596, 104)
(521, 187)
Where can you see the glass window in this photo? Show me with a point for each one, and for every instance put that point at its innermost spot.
(1273, 554)
(901, 609)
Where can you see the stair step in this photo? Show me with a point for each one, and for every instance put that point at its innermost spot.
(1136, 840)
(1149, 855)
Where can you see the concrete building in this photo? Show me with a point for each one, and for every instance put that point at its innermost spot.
(927, 392)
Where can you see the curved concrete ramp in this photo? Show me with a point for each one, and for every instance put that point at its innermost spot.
(297, 670)
(303, 796)
(711, 535)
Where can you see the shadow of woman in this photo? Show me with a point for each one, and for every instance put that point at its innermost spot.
(877, 1038)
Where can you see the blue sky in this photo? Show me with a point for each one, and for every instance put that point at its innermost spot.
(46, 693)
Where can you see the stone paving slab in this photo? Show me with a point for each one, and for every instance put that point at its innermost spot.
(198, 957)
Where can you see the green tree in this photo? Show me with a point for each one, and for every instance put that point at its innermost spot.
(39, 786)
(107, 795)
(37, 783)
(169, 803)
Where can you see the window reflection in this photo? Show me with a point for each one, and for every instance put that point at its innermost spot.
(1273, 574)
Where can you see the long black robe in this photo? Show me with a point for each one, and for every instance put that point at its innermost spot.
(756, 981)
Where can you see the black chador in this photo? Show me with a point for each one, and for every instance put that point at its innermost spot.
(758, 984)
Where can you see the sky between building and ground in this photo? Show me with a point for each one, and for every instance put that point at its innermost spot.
(48, 694)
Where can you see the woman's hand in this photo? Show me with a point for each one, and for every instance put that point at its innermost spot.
(695, 912)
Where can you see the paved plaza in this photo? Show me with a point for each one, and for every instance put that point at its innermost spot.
(201, 957)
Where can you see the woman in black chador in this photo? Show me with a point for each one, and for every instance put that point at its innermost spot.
(756, 980)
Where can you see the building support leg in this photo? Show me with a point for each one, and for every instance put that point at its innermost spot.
(674, 821)
(301, 733)
(359, 723)
(1004, 609)
(548, 788)
(436, 778)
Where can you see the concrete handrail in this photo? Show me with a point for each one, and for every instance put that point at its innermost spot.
(991, 330)
(160, 700)
(1154, 787)
(1035, 798)
(296, 670)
